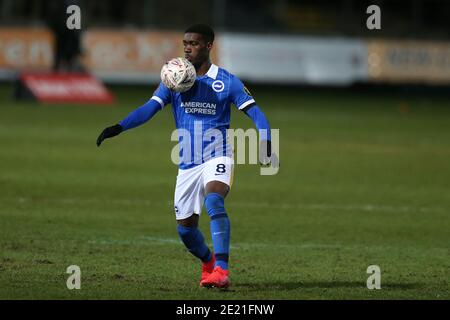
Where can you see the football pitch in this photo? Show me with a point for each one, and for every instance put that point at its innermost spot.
(364, 180)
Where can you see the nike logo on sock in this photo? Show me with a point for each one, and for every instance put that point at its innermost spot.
(216, 233)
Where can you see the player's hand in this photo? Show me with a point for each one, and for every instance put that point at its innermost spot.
(265, 153)
(266, 157)
(109, 133)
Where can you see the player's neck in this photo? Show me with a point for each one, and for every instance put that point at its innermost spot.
(203, 68)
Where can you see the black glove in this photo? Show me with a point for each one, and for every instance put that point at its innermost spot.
(109, 133)
(267, 157)
(265, 152)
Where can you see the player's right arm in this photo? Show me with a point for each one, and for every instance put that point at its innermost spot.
(144, 113)
(243, 100)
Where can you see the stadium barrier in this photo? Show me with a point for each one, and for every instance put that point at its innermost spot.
(294, 59)
(62, 88)
(25, 49)
(409, 61)
(124, 56)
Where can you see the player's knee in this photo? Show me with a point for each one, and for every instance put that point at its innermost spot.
(191, 221)
(215, 206)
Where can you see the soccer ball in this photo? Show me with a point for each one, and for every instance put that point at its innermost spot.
(178, 74)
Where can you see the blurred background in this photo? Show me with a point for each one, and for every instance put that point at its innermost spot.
(401, 18)
(364, 120)
(322, 42)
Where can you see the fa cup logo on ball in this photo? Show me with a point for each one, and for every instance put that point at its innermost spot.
(178, 74)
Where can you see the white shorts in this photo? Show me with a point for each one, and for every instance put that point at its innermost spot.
(190, 188)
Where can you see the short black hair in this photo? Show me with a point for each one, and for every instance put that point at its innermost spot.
(203, 29)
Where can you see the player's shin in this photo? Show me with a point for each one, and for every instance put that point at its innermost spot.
(220, 228)
(195, 242)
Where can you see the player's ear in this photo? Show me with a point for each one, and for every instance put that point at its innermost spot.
(209, 45)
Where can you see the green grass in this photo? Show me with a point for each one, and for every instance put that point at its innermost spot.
(364, 179)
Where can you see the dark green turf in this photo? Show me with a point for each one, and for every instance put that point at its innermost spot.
(364, 180)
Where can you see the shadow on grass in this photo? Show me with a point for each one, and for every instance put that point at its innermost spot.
(321, 285)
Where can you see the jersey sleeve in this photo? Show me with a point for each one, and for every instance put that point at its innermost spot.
(239, 94)
(162, 95)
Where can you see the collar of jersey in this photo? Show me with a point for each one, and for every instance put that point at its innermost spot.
(212, 72)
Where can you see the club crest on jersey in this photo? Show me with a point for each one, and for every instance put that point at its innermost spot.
(218, 86)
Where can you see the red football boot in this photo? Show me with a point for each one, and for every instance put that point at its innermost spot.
(217, 279)
(207, 269)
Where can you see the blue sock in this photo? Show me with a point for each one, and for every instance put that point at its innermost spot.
(220, 228)
(195, 242)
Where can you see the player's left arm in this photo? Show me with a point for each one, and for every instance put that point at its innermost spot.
(262, 124)
(245, 102)
(141, 115)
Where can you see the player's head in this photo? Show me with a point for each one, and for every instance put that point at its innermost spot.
(198, 41)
